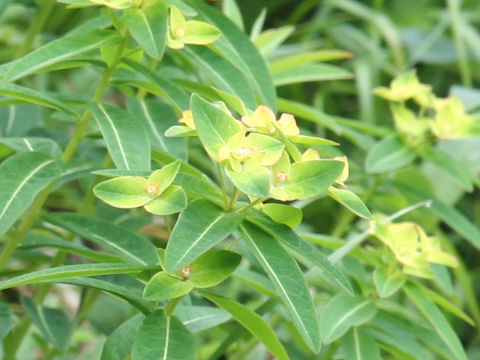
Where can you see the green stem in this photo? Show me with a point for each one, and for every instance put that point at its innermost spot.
(233, 200)
(252, 204)
(44, 10)
(454, 8)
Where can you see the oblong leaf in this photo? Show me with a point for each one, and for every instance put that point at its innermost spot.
(387, 155)
(126, 139)
(198, 228)
(359, 345)
(157, 117)
(24, 175)
(255, 183)
(351, 201)
(431, 312)
(52, 323)
(171, 201)
(120, 241)
(59, 50)
(6, 319)
(42, 145)
(67, 271)
(289, 281)
(148, 26)
(292, 240)
(310, 72)
(342, 312)
(213, 267)
(252, 322)
(198, 318)
(163, 337)
(125, 192)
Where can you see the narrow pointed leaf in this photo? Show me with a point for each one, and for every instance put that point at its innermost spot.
(52, 323)
(42, 145)
(6, 319)
(59, 50)
(163, 337)
(341, 313)
(148, 26)
(387, 155)
(198, 318)
(254, 323)
(292, 240)
(288, 279)
(126, 139)
(359, 345)
(431, 312)
(310, 72)
(198, 228)
(32, 96)
(22, 177)
(157, 117)
(351, 201)
(120, 241)
(68, 271)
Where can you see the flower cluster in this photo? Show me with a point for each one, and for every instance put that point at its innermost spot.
(412, 247)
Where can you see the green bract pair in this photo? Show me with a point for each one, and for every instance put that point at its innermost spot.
(155, 193)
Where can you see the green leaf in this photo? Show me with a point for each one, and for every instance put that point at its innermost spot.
(235, 46)
(385, 283)
(33, 241)
(163, 337)
(119, 343)
(17, 120)
(359, 345)
(213, 267)
(351, 201)
(125, 192)
(157, 117)
(28, 173)
(163, 286)
(290, 238)
(5, 319)
(176, 95)
(255, 183)
(268, 41)
(199, 33)
(52, 323)
(288, 279)
(387, 155)
(431, 312)
(125, 293)
(198, 228)
(171, 201)
(58, 50)
(214, 126)
(32, 96)
(449, 165)
(311, 140)
(197, 187)
(255, 280)
(198, 318)
(254, 323)
(308, 179)
(148, 26)
(126, 139)
(68, 271)
(307, 57)
(222, 73)
(120, 241)
(311, 72)
(342, 312)
(284, 214)
(40, 145)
